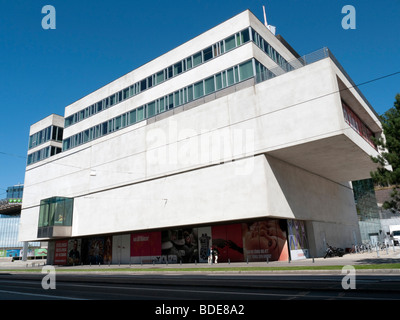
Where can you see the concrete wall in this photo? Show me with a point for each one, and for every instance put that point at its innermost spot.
(272, 188)
(327, 207)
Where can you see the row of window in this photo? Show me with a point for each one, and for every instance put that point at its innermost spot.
(192, 92)
(200, 57)
(270, 51)
(42, 154)
(50, 133)
(355, 122)
(163, 75)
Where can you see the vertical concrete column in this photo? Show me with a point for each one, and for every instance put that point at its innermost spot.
(25, 251)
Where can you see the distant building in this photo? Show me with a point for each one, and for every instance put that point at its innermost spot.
(231, 140)
(14, 193)
(10, 214)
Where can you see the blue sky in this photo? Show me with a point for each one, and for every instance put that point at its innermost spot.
(95, 42)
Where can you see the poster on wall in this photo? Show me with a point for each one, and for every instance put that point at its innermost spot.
(298, 244)
(108, 249)
(179, 245)
(74, 252)
(41, 252)
(253, 241)
(96, 250)
(227, 240)
(265, 240)
(204, 242)
(14, 253)
(61, 252)
(146, 247)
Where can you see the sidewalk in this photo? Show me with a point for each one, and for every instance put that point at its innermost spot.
(366, 258)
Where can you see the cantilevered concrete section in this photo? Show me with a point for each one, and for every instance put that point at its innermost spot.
(308, 125)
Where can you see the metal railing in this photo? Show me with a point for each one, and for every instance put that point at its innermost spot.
(293, 65)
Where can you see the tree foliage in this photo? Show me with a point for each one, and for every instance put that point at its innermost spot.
(390, 147)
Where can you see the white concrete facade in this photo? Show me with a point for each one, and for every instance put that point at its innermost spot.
(276, 149)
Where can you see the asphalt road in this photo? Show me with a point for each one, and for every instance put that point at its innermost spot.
(199, 287)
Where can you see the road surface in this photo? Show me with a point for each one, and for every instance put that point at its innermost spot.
(22, 286)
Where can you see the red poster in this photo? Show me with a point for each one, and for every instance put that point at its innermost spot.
(227, 240)
(146, 244)
(61, 252)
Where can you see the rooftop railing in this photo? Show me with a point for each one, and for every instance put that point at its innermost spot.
(293, 65)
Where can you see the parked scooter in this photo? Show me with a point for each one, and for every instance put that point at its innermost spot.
(333, 252)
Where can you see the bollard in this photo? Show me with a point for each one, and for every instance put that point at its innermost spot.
(267, 259)
(377, 251)
(312, 259)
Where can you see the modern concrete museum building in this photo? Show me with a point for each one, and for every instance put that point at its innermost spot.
(231, 140)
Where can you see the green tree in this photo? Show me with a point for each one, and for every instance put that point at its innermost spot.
(390, 155)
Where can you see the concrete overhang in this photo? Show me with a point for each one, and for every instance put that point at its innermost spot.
(363, 112)
(337, 158)
(10, 208)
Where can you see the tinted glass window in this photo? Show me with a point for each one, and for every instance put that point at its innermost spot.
(207, 54)
(178, 68)
(160, 77)
(245, 36)
(209, 85)
(198, 90)
(230, 43)
(197, 59)
(143, 85)
(151, 109)
(246, 70)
